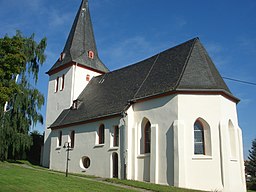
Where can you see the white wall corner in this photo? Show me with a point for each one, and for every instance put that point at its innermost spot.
(241, 156)
(179, 154)
(154, 155)
(224, 154)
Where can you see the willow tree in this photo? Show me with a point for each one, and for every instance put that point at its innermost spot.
(20, 61)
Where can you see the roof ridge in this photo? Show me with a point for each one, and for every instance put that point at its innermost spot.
(157, 56)
(186, 62)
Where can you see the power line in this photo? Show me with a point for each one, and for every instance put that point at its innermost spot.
(240, 81)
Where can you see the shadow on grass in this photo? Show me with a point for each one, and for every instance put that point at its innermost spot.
(14, 161)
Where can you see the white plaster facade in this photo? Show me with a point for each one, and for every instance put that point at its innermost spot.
(58, 100)
(171, 160)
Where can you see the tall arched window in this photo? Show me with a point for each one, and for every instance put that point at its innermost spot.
(101, 134)
(60, 138)
(147, 137)
(199, 143)
(232, 139)
(72, 139)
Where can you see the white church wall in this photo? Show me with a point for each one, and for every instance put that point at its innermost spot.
(161, 113)
(57, 100)
(80, 79)
(208, 172)
(75, 80)
(86, 145)
(174, 117)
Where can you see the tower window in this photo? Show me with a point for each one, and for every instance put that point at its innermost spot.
(88, 77)
(91, 54)
(57, 84)
(62, 82)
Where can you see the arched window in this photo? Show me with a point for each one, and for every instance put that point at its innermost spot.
(232, 139)
(199, 143)
(72, 139)
(60, 138)
(116, 136)
(147, 137)
(101, 134)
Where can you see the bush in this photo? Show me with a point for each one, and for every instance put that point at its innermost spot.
(251, 184)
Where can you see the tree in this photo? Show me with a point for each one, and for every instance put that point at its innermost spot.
(34, 152)
(251, 166)
(19, 57)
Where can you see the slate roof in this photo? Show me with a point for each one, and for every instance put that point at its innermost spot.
(80, 41)
(186, 67)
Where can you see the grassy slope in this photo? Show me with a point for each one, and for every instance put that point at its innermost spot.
(14, 178)
(19, 179)
(150, 186)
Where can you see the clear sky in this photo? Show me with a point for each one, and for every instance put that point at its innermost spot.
(127, 31)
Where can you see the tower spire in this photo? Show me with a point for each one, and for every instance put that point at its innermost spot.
(80, 46)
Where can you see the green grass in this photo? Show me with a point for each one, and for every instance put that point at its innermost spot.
(150, 186)
(14, 178)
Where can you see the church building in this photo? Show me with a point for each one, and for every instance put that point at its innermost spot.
(169, 119)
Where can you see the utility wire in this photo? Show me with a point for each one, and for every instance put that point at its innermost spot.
(240, 81)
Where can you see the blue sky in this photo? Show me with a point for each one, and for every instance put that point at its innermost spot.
(131, 30)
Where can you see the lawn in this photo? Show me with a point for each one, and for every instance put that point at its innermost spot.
(14, 178)
(150, 186)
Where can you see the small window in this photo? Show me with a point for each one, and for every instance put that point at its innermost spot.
(147, 141)
(199, 145)
(87, 77)
(116, 136)
(86, 162)
(60, 138)
(72, 139)
(62, 82)
(57, 84)
(101, 134)
(91, 54)
(75, 104)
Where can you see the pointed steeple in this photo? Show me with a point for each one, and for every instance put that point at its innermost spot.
(81, 47)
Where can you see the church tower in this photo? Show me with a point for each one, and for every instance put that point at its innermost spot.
(77, 64)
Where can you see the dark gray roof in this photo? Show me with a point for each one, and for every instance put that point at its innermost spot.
(80, 41)
(184, 67)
